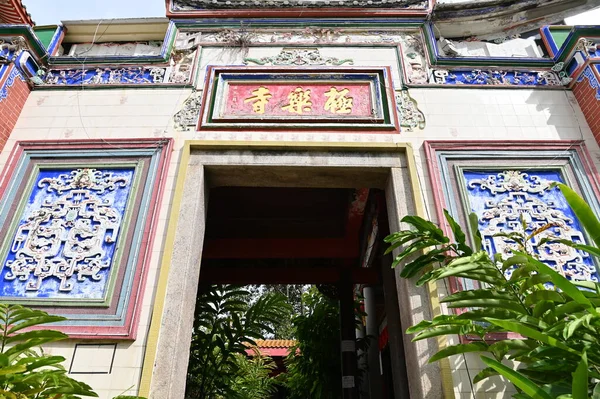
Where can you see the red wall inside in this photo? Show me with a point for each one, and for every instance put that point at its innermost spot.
(590, 105)
(11, 106)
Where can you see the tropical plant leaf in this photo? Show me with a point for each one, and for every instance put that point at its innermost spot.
(459, 235)
(485, 373)
(424, 261)
(437, 331)
(426, 226)
(24, 368)
(596, 391)
(13, 369)
(529, 332)
(535, 281)
(563, 284)
(580, 379)
(543, 295)
(522, 382)
(513, 260)
(458, 349)
(475, 234)
(584, 213)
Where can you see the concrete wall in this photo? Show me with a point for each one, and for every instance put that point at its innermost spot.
(452, 114)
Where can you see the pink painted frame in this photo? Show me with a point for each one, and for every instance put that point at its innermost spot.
(212, 72)
(128, 331)
(431, 147)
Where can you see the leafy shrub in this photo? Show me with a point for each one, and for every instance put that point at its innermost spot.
(226, 322)
(557, 320)
(26, 372)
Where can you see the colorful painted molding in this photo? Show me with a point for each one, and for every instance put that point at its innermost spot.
(192, 5)
(593, 80)
(496, 77)
(10, 80)
(275, 98)
(500, 185)
(77, 225)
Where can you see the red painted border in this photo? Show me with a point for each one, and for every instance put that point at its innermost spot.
(129, 330)
(433, 146)
(213, 70)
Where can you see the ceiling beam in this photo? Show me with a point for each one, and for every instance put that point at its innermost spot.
(284, 275)
(256, 248)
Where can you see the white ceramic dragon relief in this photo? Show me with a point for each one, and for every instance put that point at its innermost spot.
(66, 236)
(522, 199)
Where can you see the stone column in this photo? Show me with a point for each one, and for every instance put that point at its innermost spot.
(374, 375)
(424, 379)
(170, 367)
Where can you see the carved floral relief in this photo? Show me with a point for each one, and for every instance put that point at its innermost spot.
(298, 57)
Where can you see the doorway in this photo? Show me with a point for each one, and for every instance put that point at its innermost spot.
(308, 243)
(320, 250)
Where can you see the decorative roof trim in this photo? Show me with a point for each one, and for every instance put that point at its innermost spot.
(297, 8)
(14, 12)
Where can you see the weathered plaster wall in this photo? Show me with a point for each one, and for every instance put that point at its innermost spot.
(451, 114)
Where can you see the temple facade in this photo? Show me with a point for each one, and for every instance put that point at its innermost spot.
(258, 142)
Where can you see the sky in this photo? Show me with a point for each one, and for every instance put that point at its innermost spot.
(51, 12)
(587, 18)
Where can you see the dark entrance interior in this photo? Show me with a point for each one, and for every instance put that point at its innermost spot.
(329, 237)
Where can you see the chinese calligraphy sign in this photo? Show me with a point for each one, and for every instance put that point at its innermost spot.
(338, 102)
(295, 100)
(321, 98)
(65, 240)
(260, 98)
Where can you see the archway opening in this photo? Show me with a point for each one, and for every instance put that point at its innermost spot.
(321, 249)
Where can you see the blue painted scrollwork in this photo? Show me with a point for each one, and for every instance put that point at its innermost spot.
(65, 242)
(503, 200)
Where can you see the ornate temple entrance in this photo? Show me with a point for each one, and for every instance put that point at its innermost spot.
(290, 216)
(327, 237)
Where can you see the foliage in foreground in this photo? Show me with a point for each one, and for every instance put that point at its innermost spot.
(314, 364)
(26, 372)
(226, 322)
(559, 323)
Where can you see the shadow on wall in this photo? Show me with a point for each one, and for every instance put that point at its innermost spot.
(559, 113)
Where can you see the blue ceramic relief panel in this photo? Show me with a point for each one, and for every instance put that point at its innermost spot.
(65, 241)
(129, 75)
(496, 77)
(500, 198)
